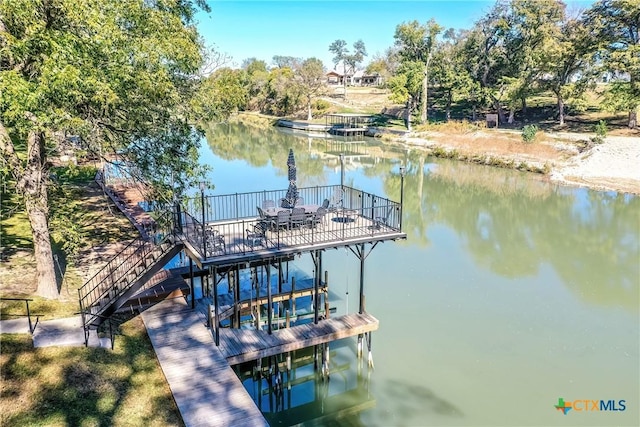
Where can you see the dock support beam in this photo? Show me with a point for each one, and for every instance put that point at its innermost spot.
(193, 293)
(269, 299)
(316, 286)
(214, 273)
(362, 258)
(236, 296)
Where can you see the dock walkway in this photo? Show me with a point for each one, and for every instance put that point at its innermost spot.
(243, 345)
(203, 384)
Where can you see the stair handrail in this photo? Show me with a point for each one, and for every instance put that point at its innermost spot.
(107, 278)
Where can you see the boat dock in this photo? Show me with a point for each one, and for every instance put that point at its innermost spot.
(206, 389)
(245, 345)
(242, 259)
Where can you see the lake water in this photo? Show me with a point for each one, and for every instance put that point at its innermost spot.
(508, 294)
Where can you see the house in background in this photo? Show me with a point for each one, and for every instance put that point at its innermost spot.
(359, 78)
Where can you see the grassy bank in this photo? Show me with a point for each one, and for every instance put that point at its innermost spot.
(77, 386)
(81, 220)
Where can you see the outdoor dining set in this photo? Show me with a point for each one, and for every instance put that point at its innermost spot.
(286, 216)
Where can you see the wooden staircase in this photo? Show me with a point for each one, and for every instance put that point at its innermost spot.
(122, 277)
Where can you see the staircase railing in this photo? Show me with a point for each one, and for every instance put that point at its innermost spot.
(120, 273)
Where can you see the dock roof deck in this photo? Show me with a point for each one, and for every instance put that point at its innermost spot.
(358, 217)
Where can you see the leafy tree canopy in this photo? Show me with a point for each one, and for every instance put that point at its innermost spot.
(120, 75)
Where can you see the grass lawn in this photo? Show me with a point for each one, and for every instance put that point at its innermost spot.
(78, 386)
(72, 386)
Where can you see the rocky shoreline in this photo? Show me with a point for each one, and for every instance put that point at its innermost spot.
(613, 165)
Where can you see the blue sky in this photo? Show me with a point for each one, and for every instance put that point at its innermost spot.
(306, 28)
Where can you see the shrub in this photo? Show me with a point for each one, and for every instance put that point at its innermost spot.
(601, 132)
(320, 107)
(529, 133)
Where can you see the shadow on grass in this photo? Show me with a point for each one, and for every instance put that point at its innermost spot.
(85, 386)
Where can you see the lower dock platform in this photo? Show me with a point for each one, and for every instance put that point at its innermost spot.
(244, 345)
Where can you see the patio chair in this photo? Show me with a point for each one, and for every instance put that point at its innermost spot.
(379, 221)
(282, 220)
(257, 236)
(264, 218)
(325, 203)
(336, 200)
(268, 204)
(215, 241)
(317, 218)
(298, 217)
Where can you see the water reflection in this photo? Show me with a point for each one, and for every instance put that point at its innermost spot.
(511, 223)
(296, 388)
(508, 293)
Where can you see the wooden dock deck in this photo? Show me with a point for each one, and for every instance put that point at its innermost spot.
(204, 386)
(243, 345)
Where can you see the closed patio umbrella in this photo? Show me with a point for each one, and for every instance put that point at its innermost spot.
(292, 191)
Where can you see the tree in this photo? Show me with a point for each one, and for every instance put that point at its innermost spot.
(406, 86)
(617, 28)
(485, 58)
(529, 27)
(449, 72)
(312, 81)
(117, 74)
(254, 65)
(384, 64)
(349, 61)
(415, 43)
(225, 91)
(568, 63)
(286, 61)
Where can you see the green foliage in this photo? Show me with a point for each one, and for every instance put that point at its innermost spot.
(529, 133)
(601, 132)
(320, 107)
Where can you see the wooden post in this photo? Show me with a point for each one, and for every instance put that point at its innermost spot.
(286, 325)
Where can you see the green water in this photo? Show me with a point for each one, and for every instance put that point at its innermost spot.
(508, 294)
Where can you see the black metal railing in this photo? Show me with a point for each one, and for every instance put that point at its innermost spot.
(28, 314)
(222, 225)
(116, 277)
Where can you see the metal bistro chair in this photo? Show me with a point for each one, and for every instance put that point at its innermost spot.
(336, 200)
(257, 236)
(268, 204)
(282, 220)
(264, 218)
(379, 221)
(298, 217)
(317, 218)
(215, 241)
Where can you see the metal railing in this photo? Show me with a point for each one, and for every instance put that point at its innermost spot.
(116, 277)
(32, 327)
(232, 216)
